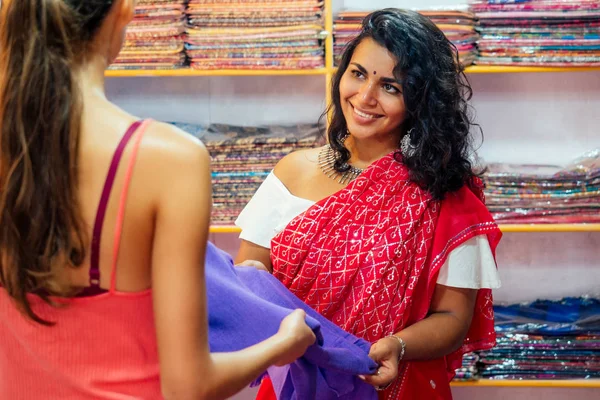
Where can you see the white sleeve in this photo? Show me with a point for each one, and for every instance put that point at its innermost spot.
(471, 266)
(269, 211)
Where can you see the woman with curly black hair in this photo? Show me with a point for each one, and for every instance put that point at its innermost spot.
(384, 230)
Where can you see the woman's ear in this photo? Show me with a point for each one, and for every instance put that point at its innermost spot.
(125, 11)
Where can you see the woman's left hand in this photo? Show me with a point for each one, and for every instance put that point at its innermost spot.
(253, 263)
(384, 352)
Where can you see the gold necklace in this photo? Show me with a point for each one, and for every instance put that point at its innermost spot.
(327, 159)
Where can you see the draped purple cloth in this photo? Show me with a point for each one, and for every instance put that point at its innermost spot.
(246, 306)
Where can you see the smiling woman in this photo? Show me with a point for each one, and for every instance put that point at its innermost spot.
(418, 63)
(373, 106)
(384, 230)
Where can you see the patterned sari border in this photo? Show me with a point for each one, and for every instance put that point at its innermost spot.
(460, 237)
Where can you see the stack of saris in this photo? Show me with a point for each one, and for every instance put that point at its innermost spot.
(469, 369)
(242, 157)
(545, 340)
(545, 194)
(255, 34)
(154, 38)
(458, 26)
(538, 32)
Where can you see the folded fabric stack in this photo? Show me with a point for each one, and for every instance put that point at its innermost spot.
(545, 340)
(545, 194)
(458, 26)
(255, 34)
(469, 370)
(242, 157)
(154, 38)
(538, 32)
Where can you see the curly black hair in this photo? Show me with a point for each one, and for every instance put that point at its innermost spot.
(436, 94)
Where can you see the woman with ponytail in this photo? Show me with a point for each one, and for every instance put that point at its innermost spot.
(96, 304)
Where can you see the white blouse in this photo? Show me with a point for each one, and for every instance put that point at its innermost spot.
(471, 265)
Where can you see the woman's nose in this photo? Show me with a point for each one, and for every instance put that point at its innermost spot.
(367, 93)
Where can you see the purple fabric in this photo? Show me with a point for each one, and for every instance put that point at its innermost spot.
(246, 306)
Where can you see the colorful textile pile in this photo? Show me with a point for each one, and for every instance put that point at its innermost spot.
(538, 32)
(255, 34)
(154, 38)
(545, 340)
(458, 26)
(242, 157)
(469, 370)
(545, 194)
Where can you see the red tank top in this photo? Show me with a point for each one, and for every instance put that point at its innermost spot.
(103, 345)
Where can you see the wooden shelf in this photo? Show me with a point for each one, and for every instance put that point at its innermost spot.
(224, 229)
(112, 73)
(550, 227)
(504, 228)
(182, 72)
(567, 383)
(499, 69)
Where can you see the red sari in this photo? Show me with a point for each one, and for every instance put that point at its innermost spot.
(368, 257)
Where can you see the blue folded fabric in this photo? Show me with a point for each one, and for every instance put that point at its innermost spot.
(246, 306)
(568, 316)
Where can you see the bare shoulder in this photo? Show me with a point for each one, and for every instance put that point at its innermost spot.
(173, 149)
(173, 141)
(298, 166)
(171, 159)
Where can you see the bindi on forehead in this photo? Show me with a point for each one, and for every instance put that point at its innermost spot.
(374, 72)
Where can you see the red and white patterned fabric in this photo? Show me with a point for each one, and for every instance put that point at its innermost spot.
(367, 258)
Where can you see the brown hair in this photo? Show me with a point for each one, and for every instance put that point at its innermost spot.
(41, 228)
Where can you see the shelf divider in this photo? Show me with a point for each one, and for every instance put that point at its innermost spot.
(558, 383)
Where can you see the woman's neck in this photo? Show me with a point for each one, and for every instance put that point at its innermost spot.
(90, 77)
(363, 152)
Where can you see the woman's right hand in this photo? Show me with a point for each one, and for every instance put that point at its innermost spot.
(384, 352)
(296, 337)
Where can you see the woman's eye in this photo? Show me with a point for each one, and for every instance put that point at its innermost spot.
(357, 73)
(390, 88)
